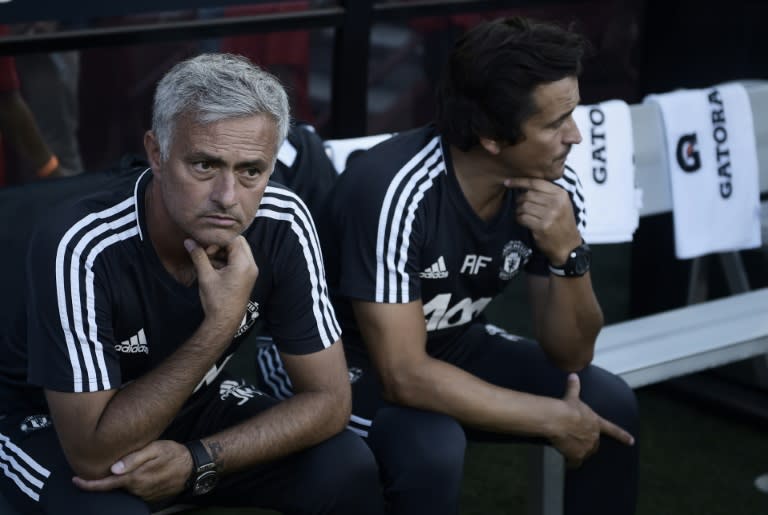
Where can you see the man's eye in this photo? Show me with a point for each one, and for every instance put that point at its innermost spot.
(203, 166)
(252, 172)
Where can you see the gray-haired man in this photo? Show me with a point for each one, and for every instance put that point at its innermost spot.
(112, 393)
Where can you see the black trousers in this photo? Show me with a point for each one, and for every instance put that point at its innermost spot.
(338, 476)
(421, 453)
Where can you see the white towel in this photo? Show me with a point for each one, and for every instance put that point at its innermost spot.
(287, 153)
(339, 150)
(604, 162)
(713, 169)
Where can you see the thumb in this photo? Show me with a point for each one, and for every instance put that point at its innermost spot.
(118, 468)
(573, 387)
(199, 257)
(132, 461)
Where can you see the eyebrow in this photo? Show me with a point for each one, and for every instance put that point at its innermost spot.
(202, 156)
(564, 116)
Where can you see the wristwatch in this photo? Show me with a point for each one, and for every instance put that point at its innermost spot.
(577, 263)
(204, 476)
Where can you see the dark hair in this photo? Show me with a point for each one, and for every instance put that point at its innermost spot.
(487, 85)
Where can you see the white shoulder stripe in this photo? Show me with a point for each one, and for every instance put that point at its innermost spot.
(93, 336)
(570, 182)
(282, 192)
(68, 287)
(137, 200)
(406, 230)
(390, 261)
(302, 225)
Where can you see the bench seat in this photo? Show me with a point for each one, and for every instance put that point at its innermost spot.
(681, 341)
(658, 347)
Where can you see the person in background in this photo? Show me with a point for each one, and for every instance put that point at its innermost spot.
(49, 83)
(20, 132)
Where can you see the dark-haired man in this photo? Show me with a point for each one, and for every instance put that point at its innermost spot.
(426, 228)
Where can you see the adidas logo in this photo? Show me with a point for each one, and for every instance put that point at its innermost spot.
(436, 271)
(134, 345)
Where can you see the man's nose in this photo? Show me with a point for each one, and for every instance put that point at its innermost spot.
(572, 133)
(224, 186)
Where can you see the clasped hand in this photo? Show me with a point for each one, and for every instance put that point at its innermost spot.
(155, 472)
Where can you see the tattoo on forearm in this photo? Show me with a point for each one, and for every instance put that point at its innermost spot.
(216, 449)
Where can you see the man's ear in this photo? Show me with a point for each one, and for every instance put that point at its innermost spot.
(491, 146)
(152, 148)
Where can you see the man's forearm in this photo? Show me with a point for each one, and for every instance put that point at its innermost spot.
(139, 412)
(435, 385)
(301, 421)
(570, 322)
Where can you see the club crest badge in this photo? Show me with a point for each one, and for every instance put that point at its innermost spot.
(251, 314)
(35, 422)
(514, 255)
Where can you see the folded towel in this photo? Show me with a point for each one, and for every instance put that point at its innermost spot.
(713, 169)
(604, 162)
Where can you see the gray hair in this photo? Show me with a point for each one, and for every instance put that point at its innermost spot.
(214, 87)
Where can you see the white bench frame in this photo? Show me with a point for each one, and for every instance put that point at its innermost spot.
(699, 336)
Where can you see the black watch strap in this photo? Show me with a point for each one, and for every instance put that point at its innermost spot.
(201, 460)
(577, 264)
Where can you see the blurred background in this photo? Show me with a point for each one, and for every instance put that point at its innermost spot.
(77, 82)
(361, 68)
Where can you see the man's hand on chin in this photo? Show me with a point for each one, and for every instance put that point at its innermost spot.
(217, 256)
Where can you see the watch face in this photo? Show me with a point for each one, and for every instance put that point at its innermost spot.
(579, 260)
(581, 264)
(205, 482)
(577, 264)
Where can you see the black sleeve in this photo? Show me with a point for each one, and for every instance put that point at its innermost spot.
(300, 316)
(377, 243)
(69, 326)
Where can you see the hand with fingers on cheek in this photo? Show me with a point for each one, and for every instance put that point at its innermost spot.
(579, 435)
(155, 472)
(545, 208)
(225, 278)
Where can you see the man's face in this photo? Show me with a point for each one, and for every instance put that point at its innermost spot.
(215, 176)
(548, 134)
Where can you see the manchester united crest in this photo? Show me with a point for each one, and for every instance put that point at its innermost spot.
(514, 255)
